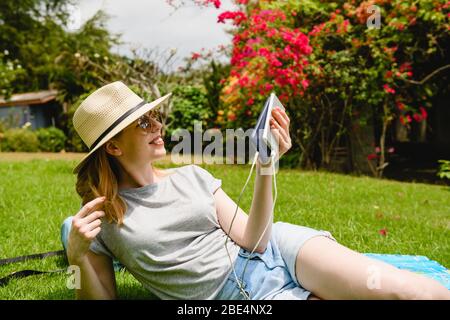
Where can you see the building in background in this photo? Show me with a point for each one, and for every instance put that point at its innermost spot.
(38, 108)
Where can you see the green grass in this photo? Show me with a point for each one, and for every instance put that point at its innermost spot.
(36, 196)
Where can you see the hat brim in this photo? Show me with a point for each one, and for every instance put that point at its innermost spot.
(122, 125)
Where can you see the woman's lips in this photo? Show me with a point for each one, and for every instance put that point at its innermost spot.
(157, 141)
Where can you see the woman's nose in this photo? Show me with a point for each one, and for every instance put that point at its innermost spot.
(156, 125)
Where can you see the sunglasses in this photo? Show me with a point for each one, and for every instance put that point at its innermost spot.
(149, 120)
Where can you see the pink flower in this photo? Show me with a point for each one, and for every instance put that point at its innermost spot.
(243, 81)
(305, 83)
(236, 16)
(405, 67)
(268, 87)
(250, 101)
(417, 117)
(423, 112)
(388, 89)
(195, 56)
(405, 119)
(391, 150)
(264, 52)
(275, 62)
(216, 3)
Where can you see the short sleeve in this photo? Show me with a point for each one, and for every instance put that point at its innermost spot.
(98, 246)
(211, 182)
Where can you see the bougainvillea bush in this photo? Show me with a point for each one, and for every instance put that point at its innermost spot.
(335, 68)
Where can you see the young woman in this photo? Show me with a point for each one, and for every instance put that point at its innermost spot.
(169, 227)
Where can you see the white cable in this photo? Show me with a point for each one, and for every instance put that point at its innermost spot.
(270, 218)
(241, 289)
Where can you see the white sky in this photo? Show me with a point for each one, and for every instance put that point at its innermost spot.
(155, 24)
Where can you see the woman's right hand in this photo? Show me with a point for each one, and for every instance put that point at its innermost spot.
(85, 227)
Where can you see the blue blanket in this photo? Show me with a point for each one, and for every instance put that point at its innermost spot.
(418, 264)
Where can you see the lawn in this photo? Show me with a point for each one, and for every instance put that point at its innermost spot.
(36, 196)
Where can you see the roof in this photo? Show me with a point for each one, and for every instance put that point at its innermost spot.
(29, 98)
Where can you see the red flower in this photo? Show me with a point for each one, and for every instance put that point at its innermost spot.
(243, 81)
(388, 89)
(400, 105)
(216, 3)
(195, 56)
(236, 16)
(371, 156)
(231, 116)
(417, 117)
(405, 119)
(305, 83)
(423, 112)
(383, 232)
(405, 67)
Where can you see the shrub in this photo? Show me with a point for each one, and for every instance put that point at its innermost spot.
(19, 140)
(444, 169)
(189, 104)
(74, 142)
(2, 126)
(51, 139)
(332, 70)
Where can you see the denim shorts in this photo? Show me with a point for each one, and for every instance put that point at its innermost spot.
(271, 275)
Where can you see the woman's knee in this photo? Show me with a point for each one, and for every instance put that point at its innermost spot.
(412, 286)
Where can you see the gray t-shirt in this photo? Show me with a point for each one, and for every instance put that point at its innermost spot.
(171, 240)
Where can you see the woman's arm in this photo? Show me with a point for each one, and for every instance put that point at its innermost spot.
(225, 209)
(260, 211)
(247, 230)
(97, 277)
(96, 271)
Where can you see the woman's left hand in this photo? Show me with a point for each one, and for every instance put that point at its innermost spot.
(279, 126)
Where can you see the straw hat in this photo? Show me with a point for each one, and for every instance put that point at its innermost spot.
(106, 112)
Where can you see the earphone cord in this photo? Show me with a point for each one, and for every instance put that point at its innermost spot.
(241, 289)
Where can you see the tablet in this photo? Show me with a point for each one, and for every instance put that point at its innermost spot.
(262, 138)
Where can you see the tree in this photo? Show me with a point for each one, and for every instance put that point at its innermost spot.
(333, 70)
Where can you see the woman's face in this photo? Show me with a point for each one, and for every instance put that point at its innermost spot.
(136, 143)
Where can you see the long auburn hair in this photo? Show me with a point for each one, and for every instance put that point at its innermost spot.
(99, 177)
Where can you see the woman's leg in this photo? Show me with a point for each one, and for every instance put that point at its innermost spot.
(332, 271)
